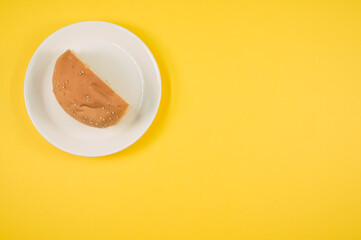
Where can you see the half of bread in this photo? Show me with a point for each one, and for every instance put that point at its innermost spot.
(83, 95)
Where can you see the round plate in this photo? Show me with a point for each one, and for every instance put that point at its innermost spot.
(115, 55)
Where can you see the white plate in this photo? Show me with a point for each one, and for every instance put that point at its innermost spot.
(115, 55)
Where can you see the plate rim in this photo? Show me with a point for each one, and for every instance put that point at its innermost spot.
(152, 117)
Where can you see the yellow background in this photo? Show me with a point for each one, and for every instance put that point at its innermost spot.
(258, 135)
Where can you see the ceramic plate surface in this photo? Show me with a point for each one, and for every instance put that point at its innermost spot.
(115, 55)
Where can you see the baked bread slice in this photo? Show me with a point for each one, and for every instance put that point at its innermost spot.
(83, 95)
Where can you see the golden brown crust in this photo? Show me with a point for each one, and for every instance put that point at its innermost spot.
(83, 95)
